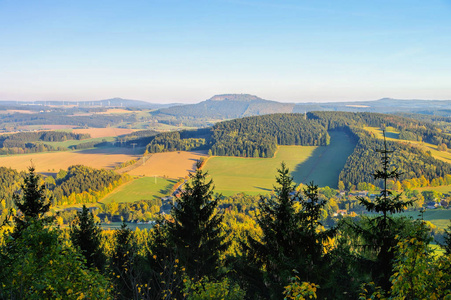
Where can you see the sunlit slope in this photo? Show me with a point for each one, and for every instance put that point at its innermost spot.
(393, 135)
(54, 161)
(168, 164)
(144, 188)
(232, 175)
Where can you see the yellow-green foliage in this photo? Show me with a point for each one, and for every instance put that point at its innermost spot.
(38, 265)
(300, 290)
(205, 289)
(418, 273)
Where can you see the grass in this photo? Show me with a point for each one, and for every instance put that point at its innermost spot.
(438, 217)
(143, 188)
(441, 189)
(69, 143)
(393, 135)
(232, 175)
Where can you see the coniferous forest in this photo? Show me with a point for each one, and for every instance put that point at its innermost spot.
(200, 250)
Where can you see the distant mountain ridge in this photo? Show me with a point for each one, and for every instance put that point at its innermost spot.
(228, 106)
(112, 102)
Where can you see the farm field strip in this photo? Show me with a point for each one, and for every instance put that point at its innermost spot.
(168, 164)
(143, 188)
(438, 217)
(52, 162)
(104, 132)
(392, 135)
(69, 143)
(232, 175)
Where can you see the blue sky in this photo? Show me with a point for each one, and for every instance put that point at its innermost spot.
(187, 51)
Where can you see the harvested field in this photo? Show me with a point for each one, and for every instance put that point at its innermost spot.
(104, 132)
(51, 162)
(169, 164)
(112, 111)
(17, 111)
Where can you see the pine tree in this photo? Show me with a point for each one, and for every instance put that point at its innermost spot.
(290, 239)
(33, 205)
(382, 231)
(86, 234)
(124, 264)
(196, 230)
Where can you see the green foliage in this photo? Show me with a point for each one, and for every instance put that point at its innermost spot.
(33, 205)
(39, 265)
(172, 141)
(124, 264)
(417, 273)
(206, 289)
(259, 136)
(300, 291)
(381, 233)
(447, 241)
(85, 234)
(290, 239)
(196, 229)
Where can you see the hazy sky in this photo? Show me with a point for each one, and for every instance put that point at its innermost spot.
(187, 51)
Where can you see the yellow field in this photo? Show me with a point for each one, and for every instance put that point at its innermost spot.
(391, 134)
(13, 111)
(53, 161)
(104, 132)
(169, 164)
(112, 111)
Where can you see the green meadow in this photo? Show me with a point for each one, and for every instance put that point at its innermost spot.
(70, 143)
(438, 217)
(143, 188)
(322, 165)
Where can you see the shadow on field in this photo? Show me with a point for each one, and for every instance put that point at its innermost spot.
(113, 151)
(262, 188)
(323, 167)
(303, 171)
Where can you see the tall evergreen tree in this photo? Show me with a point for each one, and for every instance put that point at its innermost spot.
(33, 204)
(380, 235)
(124, 264)
(290, 239)
(85, 234)
(196, 230)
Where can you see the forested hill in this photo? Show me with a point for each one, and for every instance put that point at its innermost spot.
(259, 136)
(77, 184)
(228, 107)
(246, 137)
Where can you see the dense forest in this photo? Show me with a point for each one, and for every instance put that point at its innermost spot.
(77, 184)
(259, 136)
(31, 142)
(206, 248)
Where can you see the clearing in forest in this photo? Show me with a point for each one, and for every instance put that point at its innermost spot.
(393, 135)
(143, 188)
(104, 132)
(52, 162)
(168, 164)
(322, 165)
